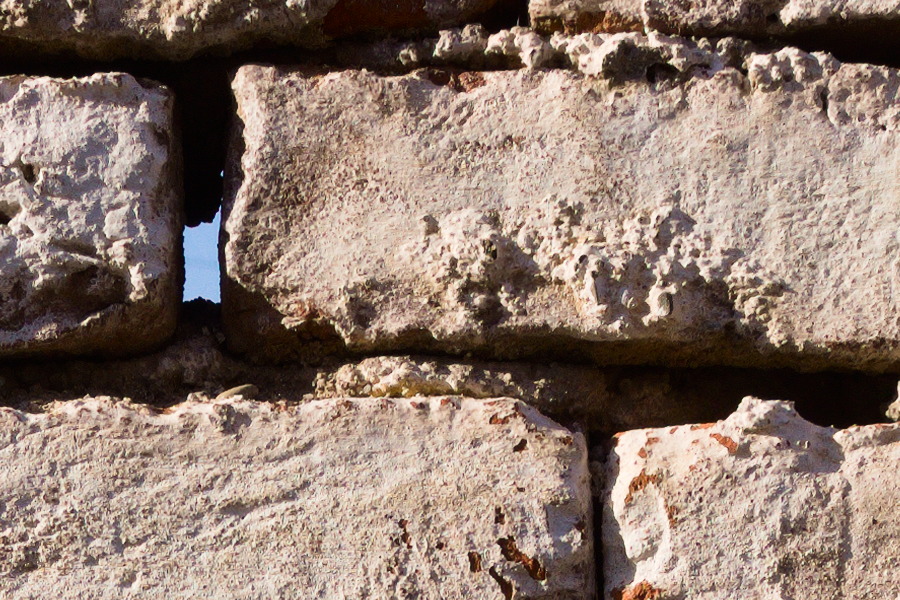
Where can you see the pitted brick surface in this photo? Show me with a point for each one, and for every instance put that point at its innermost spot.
(706, 216)
(176, 29)
(745, 18)
(763, 504)
(429, 497)
(90, 215)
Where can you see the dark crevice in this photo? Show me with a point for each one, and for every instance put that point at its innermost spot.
(506, 14)
(29, 173)
(872, 41)
(597, 400)
(597, 483)
(839, 399)
(408, 23)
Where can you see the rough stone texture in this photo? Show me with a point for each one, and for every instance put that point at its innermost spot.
(90, 215)
(709, 17)
(430, 498)
(175, 29)
(599, 400)
(892, 410)
(668, 208)
(469, 47)
(761, 505)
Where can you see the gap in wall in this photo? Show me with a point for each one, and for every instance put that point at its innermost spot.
(828, 398)
(872, 41)
(201, 261)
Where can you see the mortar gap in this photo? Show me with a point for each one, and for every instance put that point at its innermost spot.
(870, 41)
(685, 396)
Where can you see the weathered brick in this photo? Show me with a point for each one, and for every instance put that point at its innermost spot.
(428, 497)
(761, 505)
(90, 215)
(747, 18)
(174, 29)
(671, 209)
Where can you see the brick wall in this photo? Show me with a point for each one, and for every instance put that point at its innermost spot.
(568, 300)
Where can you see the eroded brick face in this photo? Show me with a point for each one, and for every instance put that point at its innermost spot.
(506, 217)
(90, 216)
(716, 18)
(807, 509)
(340, 497)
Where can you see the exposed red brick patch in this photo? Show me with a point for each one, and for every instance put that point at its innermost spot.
(726, 441)
(606, 22)
(590, 22)
(673, 430)
(349, 17)
(458, 81)
(418, 405)
(474, 562)
(469, 80)
(639, 483)
(511, 552)
(496, 419)
(671, 514)
(702, 426)
(405, 537)
(650, 441)
(566, 440)
(639, 591)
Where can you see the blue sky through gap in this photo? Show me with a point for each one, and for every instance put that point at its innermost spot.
(201, 261)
